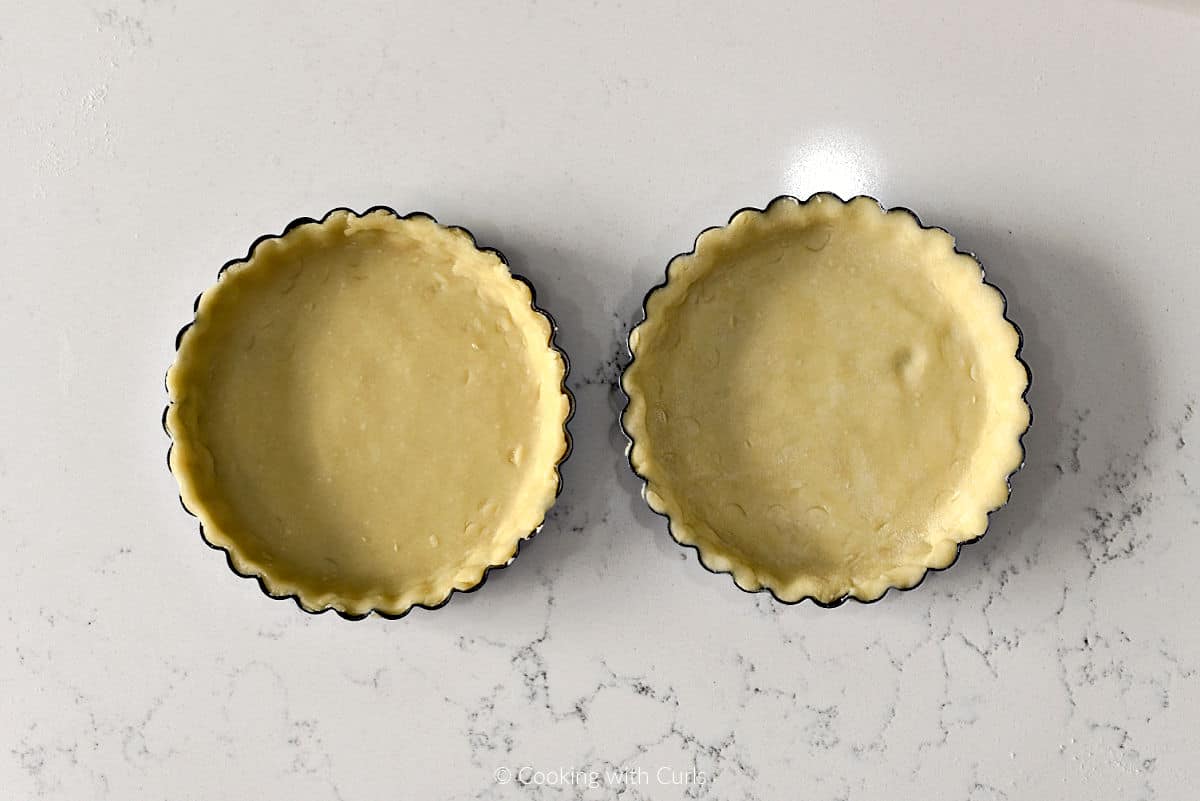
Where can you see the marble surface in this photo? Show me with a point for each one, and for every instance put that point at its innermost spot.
(145, 143)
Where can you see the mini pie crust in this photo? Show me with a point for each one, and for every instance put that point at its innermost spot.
(825, 399)
(368, 413)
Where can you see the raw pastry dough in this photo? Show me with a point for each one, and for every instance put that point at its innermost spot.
(368, 413)
(825, 399)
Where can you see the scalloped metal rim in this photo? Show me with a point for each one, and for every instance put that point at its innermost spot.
(959, 546)
(296, 223)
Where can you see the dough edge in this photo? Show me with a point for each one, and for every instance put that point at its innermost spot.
(182, 454)
(1005, 441)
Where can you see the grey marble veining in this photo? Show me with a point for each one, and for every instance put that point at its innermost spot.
(148, 142)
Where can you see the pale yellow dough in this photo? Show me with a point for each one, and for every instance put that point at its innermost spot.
(368, 413)
(825, 399)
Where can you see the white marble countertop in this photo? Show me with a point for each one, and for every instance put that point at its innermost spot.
(145, 143)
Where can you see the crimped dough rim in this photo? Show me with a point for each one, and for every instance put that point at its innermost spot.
(299, 233)
(682, 271)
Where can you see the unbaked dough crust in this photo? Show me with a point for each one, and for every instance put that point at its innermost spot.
(368, 413)
(825, 399)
